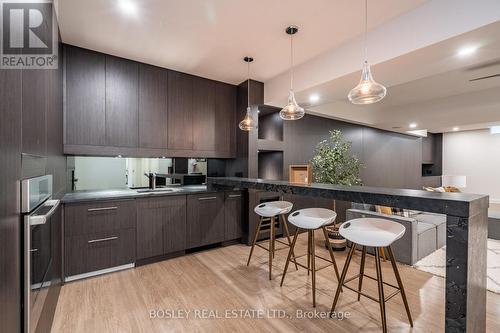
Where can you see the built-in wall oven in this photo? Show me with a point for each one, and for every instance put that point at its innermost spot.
(38, 210)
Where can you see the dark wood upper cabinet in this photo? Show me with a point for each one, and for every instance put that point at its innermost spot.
(225, 117)
(204, 122)
(153, 117)
(205, 219)
(85, 97)
(36, 88)
(180, 111)
(117, 106)
(122, 102)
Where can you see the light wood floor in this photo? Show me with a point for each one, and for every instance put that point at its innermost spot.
(219, 280)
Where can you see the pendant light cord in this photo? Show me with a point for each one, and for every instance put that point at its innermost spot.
(366, 31)
(291, 62)
(248, 85)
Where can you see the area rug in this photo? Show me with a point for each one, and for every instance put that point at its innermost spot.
(434, 263)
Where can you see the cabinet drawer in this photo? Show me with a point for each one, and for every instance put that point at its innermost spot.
(100, 250)
(85, 219)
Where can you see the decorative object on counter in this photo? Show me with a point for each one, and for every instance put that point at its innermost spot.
(333, 164)
(292, 111)
(454, 183)
(367, 91)
(300, 174)
(248, 123)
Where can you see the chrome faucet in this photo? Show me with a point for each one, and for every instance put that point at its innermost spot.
(152, 179)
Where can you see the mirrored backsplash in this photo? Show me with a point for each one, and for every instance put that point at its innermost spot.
(99, 173)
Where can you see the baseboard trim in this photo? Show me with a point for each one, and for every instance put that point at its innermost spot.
(99, 272)
(147, 261)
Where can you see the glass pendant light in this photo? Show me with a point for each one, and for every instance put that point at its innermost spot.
(367, 91)
(291, 111)
(247, 124)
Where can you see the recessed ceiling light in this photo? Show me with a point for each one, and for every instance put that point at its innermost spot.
(128, 7)
(467, 51)
(413, 125)
(314, 98)
(456, 129)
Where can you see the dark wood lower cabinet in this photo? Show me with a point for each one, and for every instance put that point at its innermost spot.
(107, 234)
(99, 235)
(233, 215)
(205, 219)
(161, 226)
(98, 251)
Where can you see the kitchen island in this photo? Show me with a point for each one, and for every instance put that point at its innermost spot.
(467, 228)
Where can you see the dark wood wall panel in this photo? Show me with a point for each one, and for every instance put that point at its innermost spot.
(10, 221)
(35, 90)
(390, 159)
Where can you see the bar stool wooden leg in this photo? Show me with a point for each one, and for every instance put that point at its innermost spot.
(330, 250)
(313, 267)
(271, 248)
(361, 271)
(287, 232)
(381, 298)
(308, 252)
(400, 284)
(382, 253)
(342, 278)
(257, 231)
(290, 252)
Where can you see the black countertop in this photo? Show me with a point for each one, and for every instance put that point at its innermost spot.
(113, 194)
(456, 204)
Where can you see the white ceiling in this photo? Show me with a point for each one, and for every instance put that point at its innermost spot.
(429, 87)
(209, 38)
(412, 45)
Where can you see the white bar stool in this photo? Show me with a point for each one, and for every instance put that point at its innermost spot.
(379, 234)
(271, 210)
(311, 219)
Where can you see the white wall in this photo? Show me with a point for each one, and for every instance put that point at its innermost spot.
(475, 154)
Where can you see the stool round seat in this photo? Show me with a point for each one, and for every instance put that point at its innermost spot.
(372, 232)
(273, 208)
(312, 218)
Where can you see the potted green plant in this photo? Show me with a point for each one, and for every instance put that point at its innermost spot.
(333, 163)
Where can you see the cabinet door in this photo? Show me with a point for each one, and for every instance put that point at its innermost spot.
(174, 225)
(85, 97)
(180, 111)
(161, 226)
(36, 85)
(233, 215)
(150, 215)
(153, 125)
(205, 219)
(204, 114)
(122, 102)
(225, 118)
